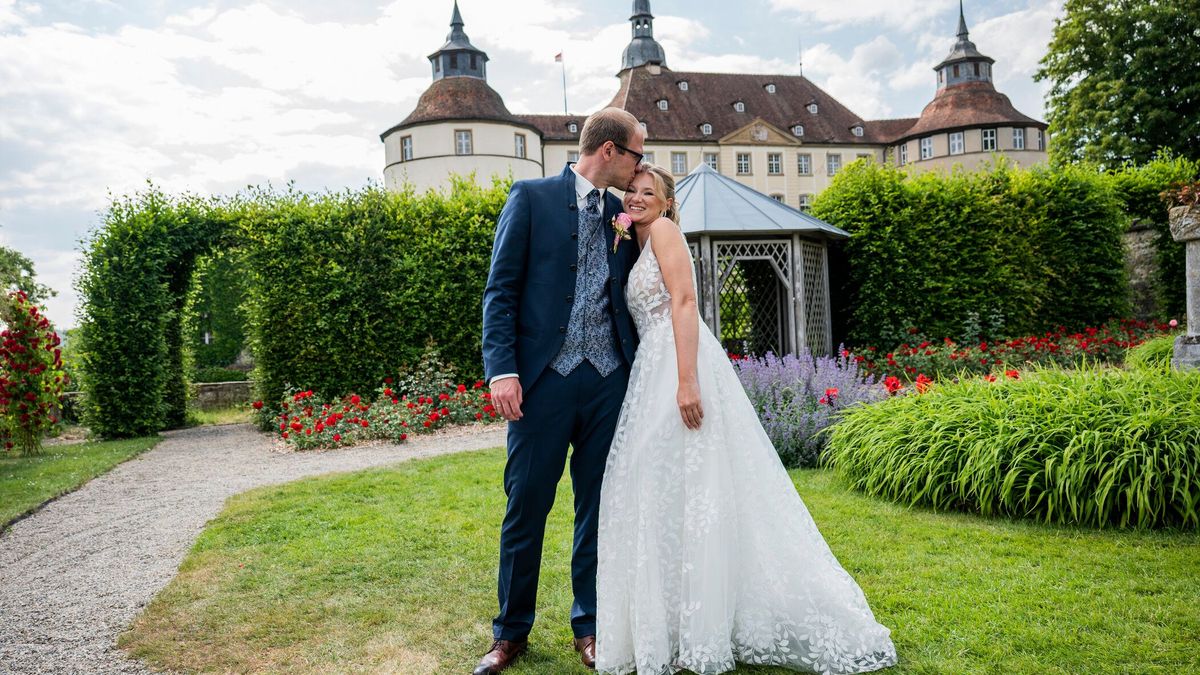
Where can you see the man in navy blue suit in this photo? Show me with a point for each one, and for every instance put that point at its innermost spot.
(557, 346)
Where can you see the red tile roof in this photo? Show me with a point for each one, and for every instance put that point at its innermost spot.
(710, 99)
(970, 104)
(555, 127)
(459, 98)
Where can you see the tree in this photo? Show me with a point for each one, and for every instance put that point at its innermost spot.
(1125, 80)
(16, 273)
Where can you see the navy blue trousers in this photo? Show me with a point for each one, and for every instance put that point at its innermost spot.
(579, 410)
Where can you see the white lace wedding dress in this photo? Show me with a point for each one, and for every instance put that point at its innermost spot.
(707, 555)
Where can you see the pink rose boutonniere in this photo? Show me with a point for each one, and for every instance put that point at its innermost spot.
(621, 224)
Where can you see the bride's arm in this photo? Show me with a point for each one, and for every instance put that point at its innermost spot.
(676, 264)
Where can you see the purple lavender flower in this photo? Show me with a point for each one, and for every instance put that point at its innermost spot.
(787, 392)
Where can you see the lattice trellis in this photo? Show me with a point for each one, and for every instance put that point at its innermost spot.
(753, 296)
(816, 300)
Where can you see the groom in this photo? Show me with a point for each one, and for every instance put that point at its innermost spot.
(557, 346)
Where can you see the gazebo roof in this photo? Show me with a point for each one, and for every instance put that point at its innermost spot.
(710, 203)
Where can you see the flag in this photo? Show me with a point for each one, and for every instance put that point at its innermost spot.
(558, 57)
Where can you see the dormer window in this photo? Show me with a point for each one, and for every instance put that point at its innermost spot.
(812, 108)
(770, 88)
(739, 106)
(644, 132)
(856, 130)
(662, 104)
(683, 85)
(798, 130)
(706, 129)
(573, 128)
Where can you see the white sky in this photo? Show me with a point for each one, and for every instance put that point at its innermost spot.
(98, 96)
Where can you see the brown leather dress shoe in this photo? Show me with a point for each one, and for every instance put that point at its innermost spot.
(586, 646)
(500, 656)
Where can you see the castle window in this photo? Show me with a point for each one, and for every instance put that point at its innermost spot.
(926, 147)
(463, 142)
(644, 132)
(739, 107)
(474, 62)
(648, 158)
(679, 163)
(833, 164)
(941, 76)
(1041, 140)
(706, 129)
(989, 140)
(904, 154)
(812, 108)
(976, 70)
(453, 61)
(804, 164)
(573, 156)
(683, 85)
(777, 197)
(743, 163)
(1019, 138)
(573, 128)
(857, 131)
(864, 155)
(519, 145)
(770, 88)
(798, 130)
(805, 202)
(956, 70)
(406, 149)
(710, 158)
(775, 163)
(662, 104)
(956, 143)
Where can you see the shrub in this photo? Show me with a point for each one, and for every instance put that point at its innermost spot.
(1098, 447)
(797, 397)
(1152, 354)
(307, 422)
(220, 375)
(978, 255)
(31, 377)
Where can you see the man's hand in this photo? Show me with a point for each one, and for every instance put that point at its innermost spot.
(507, 397)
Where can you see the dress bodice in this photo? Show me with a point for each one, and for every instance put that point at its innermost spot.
(646, 293)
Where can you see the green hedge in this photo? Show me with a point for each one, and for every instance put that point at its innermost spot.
(1138, 188)
(1092, 447)
(345, 289)
(977, 255)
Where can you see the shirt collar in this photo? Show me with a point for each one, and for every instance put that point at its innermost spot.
(583, 186)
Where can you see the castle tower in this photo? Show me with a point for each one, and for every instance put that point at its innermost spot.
(458, 57)
(643, 49)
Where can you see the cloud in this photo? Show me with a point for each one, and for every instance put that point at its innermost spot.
(832, 14)
(860, 82)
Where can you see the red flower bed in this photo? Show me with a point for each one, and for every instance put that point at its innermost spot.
(306, 423)
(31, 377)
(946, 358)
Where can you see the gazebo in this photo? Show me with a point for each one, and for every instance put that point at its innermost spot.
(762, 266)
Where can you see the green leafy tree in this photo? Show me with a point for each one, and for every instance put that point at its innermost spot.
(1125, 80)
(16, 273)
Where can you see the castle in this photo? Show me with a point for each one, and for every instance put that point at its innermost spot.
(778, 134)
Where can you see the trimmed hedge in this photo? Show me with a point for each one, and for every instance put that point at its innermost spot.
(977, 255)
(1093, 447)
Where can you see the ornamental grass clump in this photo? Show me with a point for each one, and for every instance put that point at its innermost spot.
(1097, 447)
(1153, 354)
(797, 398)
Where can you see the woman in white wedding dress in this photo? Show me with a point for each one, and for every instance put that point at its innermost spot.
(707, 555)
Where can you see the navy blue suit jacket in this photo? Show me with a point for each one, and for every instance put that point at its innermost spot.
(531, 285)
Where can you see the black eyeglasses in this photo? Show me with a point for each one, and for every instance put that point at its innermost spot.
(637, 156)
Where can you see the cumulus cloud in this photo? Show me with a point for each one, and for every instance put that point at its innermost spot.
(831, 14)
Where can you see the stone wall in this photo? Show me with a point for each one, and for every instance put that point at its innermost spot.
(1139, 264)
(209, 396)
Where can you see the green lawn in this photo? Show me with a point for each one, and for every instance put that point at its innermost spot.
(28, 482)
(394, 571)
(231, 415)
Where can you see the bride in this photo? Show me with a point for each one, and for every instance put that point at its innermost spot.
(707, 555)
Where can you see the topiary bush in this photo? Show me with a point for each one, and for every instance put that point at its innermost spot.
(1098, 447)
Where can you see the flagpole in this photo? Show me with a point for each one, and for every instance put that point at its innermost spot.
(563, 61)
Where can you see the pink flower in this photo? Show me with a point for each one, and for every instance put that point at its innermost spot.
(1172, 323)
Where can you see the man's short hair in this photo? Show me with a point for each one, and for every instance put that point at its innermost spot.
(609, 124)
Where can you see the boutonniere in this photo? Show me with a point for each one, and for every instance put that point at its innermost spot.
(621, 224)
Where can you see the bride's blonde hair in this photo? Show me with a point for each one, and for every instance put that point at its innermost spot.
(664, 187)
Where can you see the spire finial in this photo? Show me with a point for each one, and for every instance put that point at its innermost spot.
(962, 22)
(456, 20)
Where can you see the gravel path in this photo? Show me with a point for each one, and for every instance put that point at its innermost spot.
(74, 574)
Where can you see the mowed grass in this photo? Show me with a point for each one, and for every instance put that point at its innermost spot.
(28, 482)
(394, 571)
(217, 416)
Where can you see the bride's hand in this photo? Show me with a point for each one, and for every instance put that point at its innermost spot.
(688, 398)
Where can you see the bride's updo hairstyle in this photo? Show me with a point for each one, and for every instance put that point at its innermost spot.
(664, 187)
